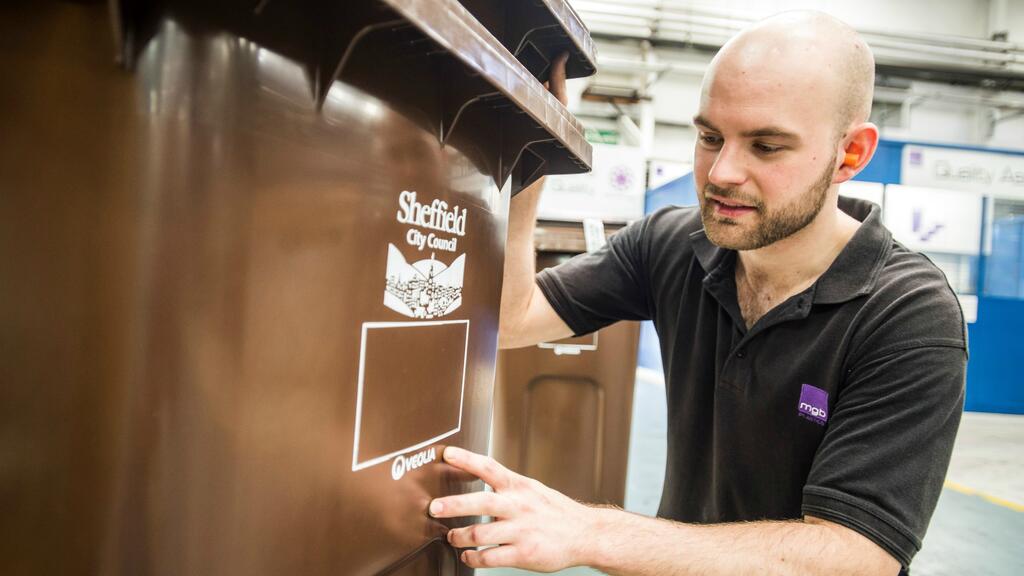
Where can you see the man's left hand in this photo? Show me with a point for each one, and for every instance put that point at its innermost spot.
(534, 527)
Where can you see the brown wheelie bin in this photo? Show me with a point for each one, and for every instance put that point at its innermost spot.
(251, 265)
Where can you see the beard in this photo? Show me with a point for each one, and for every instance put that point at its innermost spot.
(771, 225)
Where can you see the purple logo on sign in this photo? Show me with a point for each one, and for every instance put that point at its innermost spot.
(813, 404)
(923, 232)
(915, 158)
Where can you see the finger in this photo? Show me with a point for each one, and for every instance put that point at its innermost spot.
(499, 556)
(487, 534)
(483, 467)
(556, 79)
(472, 504)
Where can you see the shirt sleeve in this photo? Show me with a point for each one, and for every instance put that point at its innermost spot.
(596, 289)
(882, 462)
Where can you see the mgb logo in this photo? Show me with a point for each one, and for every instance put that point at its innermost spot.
(813, 404)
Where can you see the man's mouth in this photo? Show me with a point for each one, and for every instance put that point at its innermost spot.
(729, 208)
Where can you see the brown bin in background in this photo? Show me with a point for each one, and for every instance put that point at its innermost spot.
(563, 410)
(250, 279)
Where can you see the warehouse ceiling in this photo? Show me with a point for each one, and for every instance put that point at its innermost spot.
(957, 60)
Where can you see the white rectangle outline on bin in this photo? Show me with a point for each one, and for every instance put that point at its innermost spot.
(356, 465)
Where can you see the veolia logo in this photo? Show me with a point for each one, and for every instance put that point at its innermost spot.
(401, 465)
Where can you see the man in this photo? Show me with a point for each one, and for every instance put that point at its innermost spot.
(814, 367)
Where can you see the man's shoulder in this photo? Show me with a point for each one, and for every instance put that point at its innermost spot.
(912, 276)
(914, 302)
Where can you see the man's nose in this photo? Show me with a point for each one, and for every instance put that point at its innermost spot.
(729, 169)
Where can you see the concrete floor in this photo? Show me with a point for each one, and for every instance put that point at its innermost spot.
(978, 526)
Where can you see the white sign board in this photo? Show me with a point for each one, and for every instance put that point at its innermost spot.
(990, 173)
(612, 192)
(870, 191)
(934, 220)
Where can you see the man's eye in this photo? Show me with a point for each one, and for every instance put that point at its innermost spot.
(710, 140)
(766, 148)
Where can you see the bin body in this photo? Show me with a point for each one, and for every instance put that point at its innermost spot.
(231, 342)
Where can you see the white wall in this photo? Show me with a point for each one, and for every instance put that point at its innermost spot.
(1015, 20)
(1008, 134)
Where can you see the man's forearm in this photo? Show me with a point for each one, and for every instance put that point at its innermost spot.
(625, 544)
(520, 261)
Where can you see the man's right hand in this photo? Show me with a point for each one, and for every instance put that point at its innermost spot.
(556, 79)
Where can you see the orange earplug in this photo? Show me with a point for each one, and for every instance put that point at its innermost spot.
(851, 159)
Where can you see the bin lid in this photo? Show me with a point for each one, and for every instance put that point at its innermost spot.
(541, 137)
(455, 29)
(536, 31)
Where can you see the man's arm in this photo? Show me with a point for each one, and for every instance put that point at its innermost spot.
(543, 530)
(633, 545)
(526, 316)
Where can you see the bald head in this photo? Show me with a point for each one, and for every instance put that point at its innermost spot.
(802, 50)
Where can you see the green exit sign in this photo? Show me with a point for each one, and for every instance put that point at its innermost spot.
(602, 136)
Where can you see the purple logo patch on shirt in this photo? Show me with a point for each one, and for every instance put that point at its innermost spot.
(813, 404)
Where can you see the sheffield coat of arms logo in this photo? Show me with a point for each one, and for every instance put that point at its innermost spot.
(424, 289)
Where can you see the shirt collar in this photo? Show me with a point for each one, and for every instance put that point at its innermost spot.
(853, 273)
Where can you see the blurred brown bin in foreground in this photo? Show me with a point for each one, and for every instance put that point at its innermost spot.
(218, 221)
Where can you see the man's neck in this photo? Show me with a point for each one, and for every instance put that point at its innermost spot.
(792, 264)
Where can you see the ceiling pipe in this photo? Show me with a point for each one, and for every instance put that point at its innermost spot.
(653, 23)
(997, 15)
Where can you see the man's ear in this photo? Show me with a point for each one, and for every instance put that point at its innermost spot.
(856, 150)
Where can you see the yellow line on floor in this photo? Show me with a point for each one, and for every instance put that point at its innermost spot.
(993, 499)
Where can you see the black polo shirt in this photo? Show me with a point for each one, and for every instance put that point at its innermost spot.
(842, 402)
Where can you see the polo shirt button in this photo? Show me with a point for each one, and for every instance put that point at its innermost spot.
(741, 354)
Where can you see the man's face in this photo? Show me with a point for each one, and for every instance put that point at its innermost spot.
(765, 156)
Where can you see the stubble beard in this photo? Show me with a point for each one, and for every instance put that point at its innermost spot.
(772, 225)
